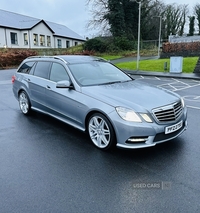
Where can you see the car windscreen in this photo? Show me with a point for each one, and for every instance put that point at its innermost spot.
(97, 72)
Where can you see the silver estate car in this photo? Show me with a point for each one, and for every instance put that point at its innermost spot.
(95, 96)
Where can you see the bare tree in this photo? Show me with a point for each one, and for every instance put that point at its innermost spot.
(98, 10)
(197, 14)
(175, 19)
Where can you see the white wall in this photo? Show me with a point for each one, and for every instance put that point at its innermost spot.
(2, 38)
(40, 29)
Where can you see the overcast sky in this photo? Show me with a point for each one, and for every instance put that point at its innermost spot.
(72, 13)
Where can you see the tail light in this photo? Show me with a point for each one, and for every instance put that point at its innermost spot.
(13, 78)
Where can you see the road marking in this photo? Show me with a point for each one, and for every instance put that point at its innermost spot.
(192, 98)
(193, 107)
(182, 85)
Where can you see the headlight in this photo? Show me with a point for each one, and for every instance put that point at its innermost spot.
(127, 114)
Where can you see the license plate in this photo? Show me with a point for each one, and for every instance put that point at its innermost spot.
(173, 128)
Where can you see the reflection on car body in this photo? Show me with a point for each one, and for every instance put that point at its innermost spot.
(93, 95)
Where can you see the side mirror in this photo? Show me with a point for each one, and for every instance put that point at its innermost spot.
(64, 84)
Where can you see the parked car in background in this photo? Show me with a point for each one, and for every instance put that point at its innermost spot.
(95, 96)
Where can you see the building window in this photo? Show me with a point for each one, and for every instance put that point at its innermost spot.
(59, 43)
(76, 43)
(25, 39)
(48, 41)
(13, 37)
(67, 44)
(42, 40)
(35, 39)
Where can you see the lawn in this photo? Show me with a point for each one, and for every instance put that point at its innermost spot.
(157, 65)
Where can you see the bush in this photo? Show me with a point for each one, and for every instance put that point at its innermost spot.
(13, 57)
(182, 49)
(95, 44)
(122, 43)
(108, 44)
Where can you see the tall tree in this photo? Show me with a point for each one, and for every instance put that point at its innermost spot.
(98, 10)
(191, 25)
(120, 17)
(115, 17)
(197, 13)
(175, 19)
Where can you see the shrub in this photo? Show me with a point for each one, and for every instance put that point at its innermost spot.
(95, 44)
(13, 57)
(122, 43)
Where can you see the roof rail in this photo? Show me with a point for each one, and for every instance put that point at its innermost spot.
(55, 57)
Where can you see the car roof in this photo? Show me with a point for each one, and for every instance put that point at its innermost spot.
(69, 59)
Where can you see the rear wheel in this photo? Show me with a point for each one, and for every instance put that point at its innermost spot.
(24, 103)
(101, 131)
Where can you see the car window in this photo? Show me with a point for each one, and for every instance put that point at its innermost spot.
(42, 69)
(58, 73)
(97, 73)
(26, 67)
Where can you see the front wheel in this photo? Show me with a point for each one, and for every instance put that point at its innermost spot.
(24, 103)
(101, 131)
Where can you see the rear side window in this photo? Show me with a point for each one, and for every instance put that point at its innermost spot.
(42, 69)
(26, 67)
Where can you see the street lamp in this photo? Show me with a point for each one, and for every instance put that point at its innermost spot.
(138, 47)
(159, 38)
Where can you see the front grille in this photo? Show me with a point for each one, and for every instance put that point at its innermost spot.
(168, 113)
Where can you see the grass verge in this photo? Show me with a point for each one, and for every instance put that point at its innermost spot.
(157, 65)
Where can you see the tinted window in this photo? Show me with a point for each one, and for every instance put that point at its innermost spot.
(58, 73)
(26, 67)
(42, 69)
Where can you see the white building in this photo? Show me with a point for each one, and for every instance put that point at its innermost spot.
(19, 31)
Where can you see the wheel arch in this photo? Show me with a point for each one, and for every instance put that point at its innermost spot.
(112, 130)
(100, 112)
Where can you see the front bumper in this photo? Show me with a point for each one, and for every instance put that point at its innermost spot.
(141, 135)
(153, 140)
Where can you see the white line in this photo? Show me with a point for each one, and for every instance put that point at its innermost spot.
(189, 87)
(181, 82)
(193, 107)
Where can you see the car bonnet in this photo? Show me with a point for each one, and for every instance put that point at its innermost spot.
(135, 94)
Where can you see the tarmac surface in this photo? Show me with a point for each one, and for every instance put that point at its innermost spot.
(48, 166)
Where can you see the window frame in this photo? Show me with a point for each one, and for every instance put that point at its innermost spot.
(59, 43)
(42, 40)
(13, 40)
(25, 38)
(48, 41)
(67, 44)
(35, 39)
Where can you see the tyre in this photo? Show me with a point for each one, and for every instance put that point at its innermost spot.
(101, 132)
(24, 103)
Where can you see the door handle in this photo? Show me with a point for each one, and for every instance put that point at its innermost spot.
(48, 87)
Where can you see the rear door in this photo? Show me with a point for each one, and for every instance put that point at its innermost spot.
(37, 84)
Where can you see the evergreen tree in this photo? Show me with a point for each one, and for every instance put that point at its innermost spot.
(197, 13)
(191, 25)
